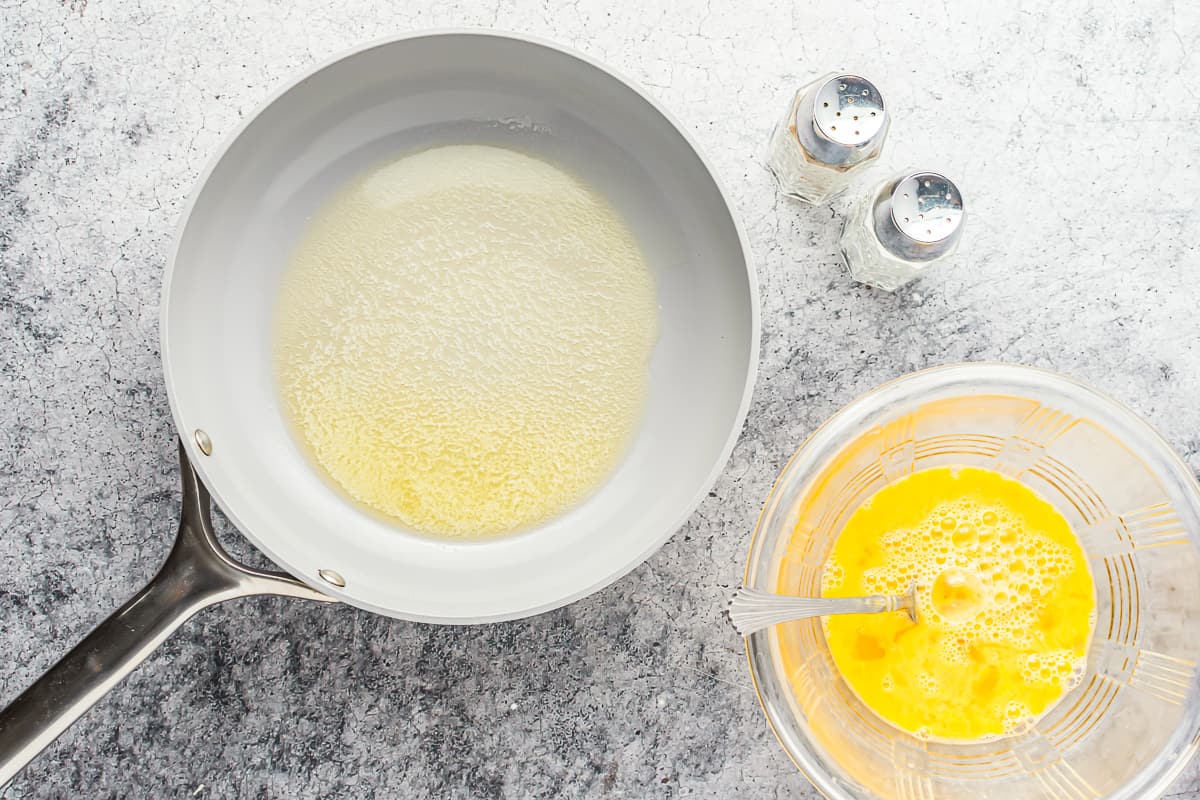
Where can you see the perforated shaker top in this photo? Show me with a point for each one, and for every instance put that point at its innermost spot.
(849, 110)
(927, 207)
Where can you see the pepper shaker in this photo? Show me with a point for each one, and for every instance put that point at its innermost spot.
(834, 124)
(899, 231)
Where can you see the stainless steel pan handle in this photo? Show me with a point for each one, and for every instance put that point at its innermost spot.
(198, 573)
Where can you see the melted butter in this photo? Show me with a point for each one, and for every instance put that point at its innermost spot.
(462, 340)
(1005, 595)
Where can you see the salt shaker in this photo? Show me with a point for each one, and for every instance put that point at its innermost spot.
(834, 124)
(899, 231)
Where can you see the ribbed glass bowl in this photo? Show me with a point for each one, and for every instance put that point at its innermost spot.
(1132, 724)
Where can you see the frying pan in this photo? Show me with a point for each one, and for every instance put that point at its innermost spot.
(251, 203)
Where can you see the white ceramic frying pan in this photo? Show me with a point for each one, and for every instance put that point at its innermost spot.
(252, 201)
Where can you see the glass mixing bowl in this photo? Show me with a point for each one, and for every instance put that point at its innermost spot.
(1132, 724)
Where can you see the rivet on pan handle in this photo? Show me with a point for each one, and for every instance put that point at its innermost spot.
(198, 573)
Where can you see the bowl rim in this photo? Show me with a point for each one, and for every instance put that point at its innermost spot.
(1144, 783)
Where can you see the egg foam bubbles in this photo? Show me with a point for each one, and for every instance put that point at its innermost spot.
(1006, 604)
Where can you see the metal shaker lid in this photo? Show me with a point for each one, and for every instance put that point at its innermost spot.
(842, 120)
(919, 216)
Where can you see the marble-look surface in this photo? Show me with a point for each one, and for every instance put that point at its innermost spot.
(1073, 128)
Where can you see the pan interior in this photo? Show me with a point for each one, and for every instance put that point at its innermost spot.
(462, 340)
(403, 96)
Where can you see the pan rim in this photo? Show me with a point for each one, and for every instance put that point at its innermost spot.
(686, 510)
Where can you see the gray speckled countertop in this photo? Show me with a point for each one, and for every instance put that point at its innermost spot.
(1073, 128)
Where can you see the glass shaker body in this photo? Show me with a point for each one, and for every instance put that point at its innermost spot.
(902, 229)
(832, 125)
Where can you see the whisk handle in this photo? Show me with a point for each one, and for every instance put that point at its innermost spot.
(751, 610)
